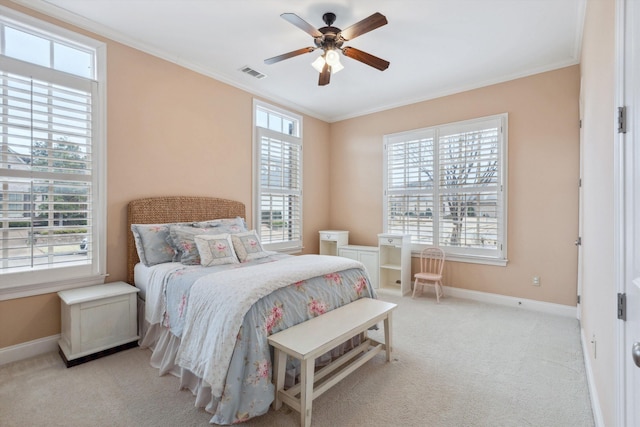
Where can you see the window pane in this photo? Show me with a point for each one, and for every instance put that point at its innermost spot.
(410, 164)
(72, 60)
(275, 123)
(46, 128)
(280, 162)
(469, 159)
(27, 47)
(262, 118)
(47, 228)
(411, 214)
(469, 220)
(280, 218)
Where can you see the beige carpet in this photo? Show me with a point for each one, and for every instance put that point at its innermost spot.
(459, 363)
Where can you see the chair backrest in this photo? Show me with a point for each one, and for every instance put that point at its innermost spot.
(432, 260)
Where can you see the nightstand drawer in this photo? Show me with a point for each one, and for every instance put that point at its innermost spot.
(390, 241)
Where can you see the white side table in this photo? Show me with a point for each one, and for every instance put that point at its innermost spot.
(331, 240)
(97, 321)
(395, 263)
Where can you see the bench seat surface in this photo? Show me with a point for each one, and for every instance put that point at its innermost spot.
(322, 333)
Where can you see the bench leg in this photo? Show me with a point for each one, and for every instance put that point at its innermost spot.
(279, 370)
(306, 391)
(387, 336)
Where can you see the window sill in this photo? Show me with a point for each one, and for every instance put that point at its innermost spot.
(471, 259)
(21, 291)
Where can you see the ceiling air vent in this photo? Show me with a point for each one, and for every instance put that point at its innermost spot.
(252, 72)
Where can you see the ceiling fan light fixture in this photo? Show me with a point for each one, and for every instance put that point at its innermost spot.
(332, 57)
(318, 64)
(333, 60)
(336, 67)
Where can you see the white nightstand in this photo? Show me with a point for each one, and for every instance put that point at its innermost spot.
(97, 321)
(331, 240)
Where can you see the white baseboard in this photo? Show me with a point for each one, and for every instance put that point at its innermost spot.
(28, 349)
(545, 307)
(593, 392)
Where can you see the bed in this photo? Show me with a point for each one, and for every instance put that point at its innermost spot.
(206, 315)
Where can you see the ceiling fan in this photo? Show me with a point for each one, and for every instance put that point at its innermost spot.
(330, 39)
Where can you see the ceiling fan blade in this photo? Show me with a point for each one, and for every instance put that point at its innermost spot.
(366, 58)
(367, 24)
(289, 55)
(325, 75)
(302, 24)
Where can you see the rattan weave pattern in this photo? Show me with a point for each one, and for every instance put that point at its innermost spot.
(168, 209)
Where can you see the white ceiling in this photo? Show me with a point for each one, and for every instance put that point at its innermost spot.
(436, 47)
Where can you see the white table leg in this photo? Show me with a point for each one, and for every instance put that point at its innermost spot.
(279, 370)
(387, 336)
(306, 393)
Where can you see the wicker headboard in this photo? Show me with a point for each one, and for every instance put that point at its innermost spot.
(162, 210)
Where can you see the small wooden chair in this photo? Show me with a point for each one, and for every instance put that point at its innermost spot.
(431, 266)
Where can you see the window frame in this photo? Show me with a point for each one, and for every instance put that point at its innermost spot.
(470, 255)
(41, 281)
(286, 246)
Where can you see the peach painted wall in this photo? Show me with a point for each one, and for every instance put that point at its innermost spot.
(172, 131)
(27, 319)
(599, 317)
(542, 183)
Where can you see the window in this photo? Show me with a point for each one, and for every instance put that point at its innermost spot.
(277, 154)
(52, 154)
(445, 185)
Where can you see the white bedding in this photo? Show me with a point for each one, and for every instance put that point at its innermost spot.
(143, 275)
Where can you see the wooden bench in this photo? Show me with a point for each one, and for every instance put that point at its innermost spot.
(309, 340)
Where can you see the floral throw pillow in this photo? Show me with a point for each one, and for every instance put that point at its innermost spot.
(182, 237)
(151, 243)
(215, 249)
(225, 225)
(248, 246)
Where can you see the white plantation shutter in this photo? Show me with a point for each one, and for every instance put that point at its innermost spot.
(278, 190)
(445, 187)
(49, 188)
(470, 176)
(410, 185)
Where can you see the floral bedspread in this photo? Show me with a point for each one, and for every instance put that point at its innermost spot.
(246, 391)
(177, 287)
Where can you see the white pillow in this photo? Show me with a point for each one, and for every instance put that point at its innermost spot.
(248, 246)
(215, 249)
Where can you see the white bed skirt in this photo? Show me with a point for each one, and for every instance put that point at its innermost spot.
(164, 347)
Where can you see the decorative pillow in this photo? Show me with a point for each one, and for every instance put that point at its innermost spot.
(151, 243)
(247, 246)
(181, 237)
(215, 249)
(225, 225)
